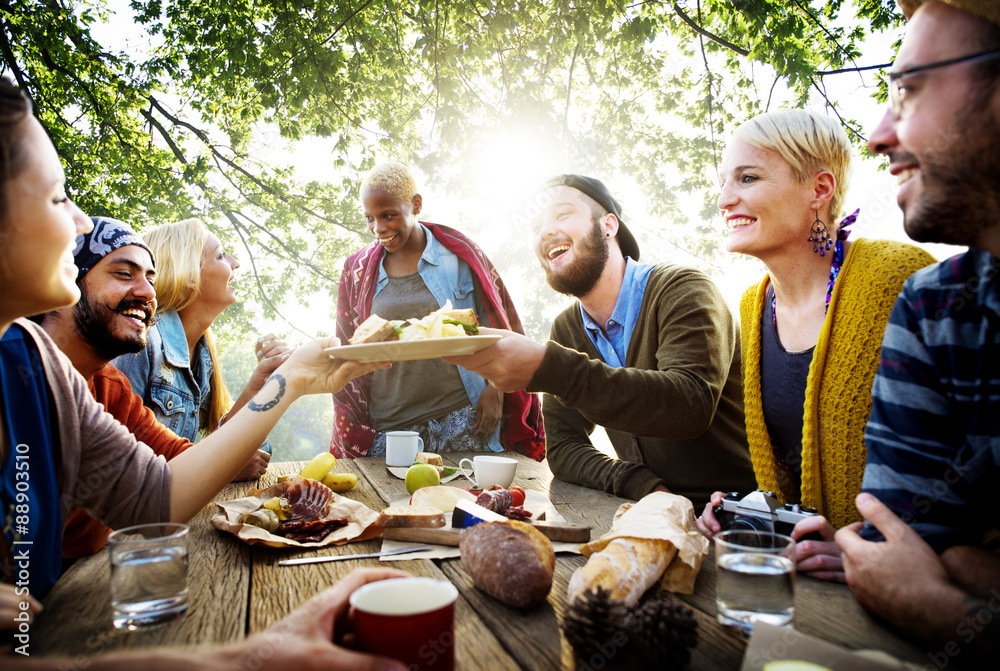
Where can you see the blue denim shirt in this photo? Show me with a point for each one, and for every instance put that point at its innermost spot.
(614, 347)
(162, 375)
(449, 278)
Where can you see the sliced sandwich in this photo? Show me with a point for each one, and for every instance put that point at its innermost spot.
(373, 329)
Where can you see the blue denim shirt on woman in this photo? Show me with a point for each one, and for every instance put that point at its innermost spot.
(163, 376)
(449, 278)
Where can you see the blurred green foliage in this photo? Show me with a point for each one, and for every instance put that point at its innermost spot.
(646, 90)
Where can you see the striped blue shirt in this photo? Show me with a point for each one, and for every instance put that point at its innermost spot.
(933, 436)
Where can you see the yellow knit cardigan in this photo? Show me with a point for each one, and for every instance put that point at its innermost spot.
(838, 388)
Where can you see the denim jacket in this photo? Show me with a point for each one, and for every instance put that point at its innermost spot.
(162, 375)
(449, 278)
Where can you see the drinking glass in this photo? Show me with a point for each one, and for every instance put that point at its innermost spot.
(755, 578)
(149, 583)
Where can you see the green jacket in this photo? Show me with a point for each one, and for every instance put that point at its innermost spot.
(675, 412)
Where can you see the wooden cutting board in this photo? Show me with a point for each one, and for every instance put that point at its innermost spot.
(565, 532)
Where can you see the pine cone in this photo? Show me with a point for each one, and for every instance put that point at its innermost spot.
(592, 620)
(663, 631)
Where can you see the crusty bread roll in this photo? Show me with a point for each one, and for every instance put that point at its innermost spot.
(626, 566)
(431, 458)
(511, 561)
(410, 516)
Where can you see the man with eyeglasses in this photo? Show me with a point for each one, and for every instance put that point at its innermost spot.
(933, 473)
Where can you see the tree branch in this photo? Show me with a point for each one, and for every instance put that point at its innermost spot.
(833, 107)
(231, 216)
(880, 66)
(243, 171)
(701, 31)
(708, 71)
(569, 85)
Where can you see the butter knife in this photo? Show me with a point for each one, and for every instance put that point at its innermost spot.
(318, 560)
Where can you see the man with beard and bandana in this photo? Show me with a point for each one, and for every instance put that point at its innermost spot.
(926, 559)
(649, 352)
(117, 303)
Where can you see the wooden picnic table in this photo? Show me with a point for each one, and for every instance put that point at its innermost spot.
(237, 589)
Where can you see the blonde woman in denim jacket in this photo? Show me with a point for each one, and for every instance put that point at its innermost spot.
(178, 374)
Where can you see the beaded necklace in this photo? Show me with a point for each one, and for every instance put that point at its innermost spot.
(838, 261)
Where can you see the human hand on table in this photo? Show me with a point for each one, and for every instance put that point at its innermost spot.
(312, 637)
(489, 410)
(892, 579)
(256, 467)
(12, 605)
(509, 365)
(819, 559)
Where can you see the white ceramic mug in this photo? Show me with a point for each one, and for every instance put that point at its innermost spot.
(401, 448)
(490, 471)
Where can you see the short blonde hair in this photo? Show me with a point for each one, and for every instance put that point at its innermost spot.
(395, 178)
(179, 249)
(808, 141)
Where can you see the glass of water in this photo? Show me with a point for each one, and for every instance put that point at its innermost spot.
(148, 574)
(755, 578)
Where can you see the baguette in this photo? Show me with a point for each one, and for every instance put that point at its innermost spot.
(411, 516)
(626, 566)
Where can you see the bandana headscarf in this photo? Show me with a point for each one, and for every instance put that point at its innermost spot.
(107, 236)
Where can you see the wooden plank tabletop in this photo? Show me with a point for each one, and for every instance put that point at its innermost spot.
(238, 590)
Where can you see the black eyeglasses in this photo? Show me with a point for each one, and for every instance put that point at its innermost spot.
(896, 93)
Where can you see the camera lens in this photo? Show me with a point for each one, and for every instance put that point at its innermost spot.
(749, 523)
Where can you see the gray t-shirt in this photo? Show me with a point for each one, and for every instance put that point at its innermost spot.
(412, 392)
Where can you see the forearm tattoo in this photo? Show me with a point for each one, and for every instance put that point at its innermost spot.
(258, 407)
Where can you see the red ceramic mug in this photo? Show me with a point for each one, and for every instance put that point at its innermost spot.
(409, 619)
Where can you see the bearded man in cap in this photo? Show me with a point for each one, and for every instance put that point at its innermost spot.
(649, 352)
(116, 274)
(923, 561)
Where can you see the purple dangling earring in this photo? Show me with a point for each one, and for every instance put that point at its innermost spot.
(820, 236)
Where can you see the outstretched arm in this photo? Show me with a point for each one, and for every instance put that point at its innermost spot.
(201, 471)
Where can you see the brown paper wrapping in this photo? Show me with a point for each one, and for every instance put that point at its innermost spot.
(661, 516)
(361, 520)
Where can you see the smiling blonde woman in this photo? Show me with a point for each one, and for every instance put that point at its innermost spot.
(812, 327)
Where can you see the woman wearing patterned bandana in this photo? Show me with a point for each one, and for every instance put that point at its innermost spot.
(58, 448)
(812, 328)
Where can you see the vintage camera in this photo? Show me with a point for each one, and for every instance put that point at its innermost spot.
(760, 511)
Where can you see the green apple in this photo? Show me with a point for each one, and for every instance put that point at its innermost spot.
(421, 475)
